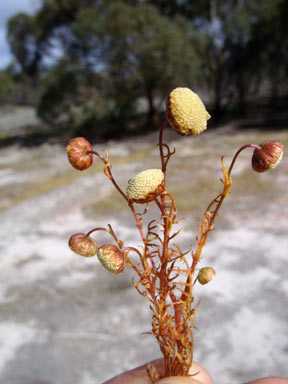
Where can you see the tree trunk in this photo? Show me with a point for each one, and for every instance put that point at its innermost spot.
(153, 118)
(217, 91)
(241, 94)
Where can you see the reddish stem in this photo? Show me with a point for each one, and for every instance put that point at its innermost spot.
(133, 250)
(138, 223)
(105, 230)
(130, 203)
(238, 152)
(163, 162)
(110, 174)
(203, 238)
(223, 195)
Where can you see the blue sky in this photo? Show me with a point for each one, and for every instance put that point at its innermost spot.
(7, 9)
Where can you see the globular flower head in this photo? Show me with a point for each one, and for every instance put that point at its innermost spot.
(83, 245)
(186, 112)
(268, 156)
(145, 186)
(206, 275)
(78, 153)
(112, 258)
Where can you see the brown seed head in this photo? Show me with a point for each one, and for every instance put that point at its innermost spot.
(78, 153)
(83, 245)
(206, 275)
(112, 258)
(268, 157)
(186, 112)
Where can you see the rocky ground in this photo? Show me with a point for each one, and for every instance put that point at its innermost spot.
(63, 319)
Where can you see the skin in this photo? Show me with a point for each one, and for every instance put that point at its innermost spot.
(201, 376)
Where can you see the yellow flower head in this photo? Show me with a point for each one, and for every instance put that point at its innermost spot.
(111, 258)
(186, 112)
(145, 186)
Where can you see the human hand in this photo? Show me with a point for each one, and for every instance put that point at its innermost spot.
(139, 376)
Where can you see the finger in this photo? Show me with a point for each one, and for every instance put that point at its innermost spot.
(199, 373)
(269, 380)
(139, 376)
(134, 376)
(178, 380)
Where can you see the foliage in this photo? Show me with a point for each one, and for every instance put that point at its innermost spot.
(70, 98)
(115, 55)
(9, 89)
(129, 51)
(22, 39)
(244, 46)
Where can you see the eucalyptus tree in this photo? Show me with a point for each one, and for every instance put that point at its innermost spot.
(115, 55)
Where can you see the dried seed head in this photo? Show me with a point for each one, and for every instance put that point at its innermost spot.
(83, 245)
(78, 153)
(205, 275)
(268, 157)
(145, 186)
(186, 112)
(112, 258)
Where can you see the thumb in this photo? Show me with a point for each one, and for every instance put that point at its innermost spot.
(139, 376)
(178, 380)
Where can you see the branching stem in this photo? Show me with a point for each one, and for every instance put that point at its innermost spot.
(159, 274)
(238, 152)
(163, 163)
(110, 176)
(110, 231)
(209, 217)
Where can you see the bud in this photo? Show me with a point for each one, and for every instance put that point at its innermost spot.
(83, 245)
(206, 275)
(145, 186)
(186, 112)
(78, 153)
(268, 157)
(112, 258)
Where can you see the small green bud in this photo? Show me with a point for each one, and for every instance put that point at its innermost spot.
(112, 258)
(268, 157)
(83, 245)
(78, 153)
(206, 275)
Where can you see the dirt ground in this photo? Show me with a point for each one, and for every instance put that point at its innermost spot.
(63, 319)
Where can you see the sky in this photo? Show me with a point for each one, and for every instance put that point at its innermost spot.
(7, 9)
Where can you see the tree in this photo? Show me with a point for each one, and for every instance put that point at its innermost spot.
(9, 89)
(22, 39)
(244, 44)
(130, 51)
(119, 53)
(138, 48)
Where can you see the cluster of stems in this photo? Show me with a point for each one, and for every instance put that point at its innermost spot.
(166, 275)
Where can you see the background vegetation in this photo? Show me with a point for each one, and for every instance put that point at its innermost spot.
(103, 68)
